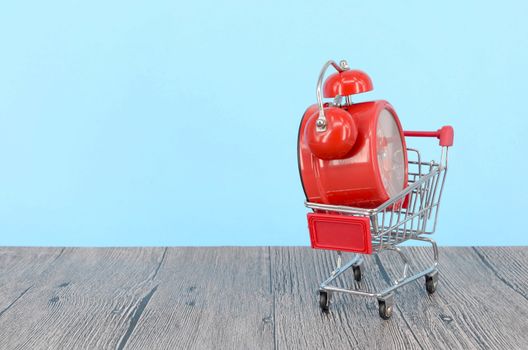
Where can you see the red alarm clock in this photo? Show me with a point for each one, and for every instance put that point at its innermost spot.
(350, 154)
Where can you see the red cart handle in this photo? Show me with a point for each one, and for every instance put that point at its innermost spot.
(445, 134)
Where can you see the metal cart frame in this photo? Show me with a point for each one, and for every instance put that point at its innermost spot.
(410, 215)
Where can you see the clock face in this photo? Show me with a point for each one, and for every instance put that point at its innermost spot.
(390, 153)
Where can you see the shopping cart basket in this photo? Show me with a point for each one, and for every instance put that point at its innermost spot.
(410, 215)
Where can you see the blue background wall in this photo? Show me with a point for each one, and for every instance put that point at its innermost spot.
(174, 123)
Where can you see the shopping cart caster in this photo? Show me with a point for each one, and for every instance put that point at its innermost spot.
(357, 269)
(431, 281)
(386, 304)
(324, 300)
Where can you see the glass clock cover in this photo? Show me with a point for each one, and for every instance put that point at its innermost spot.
(390, 153)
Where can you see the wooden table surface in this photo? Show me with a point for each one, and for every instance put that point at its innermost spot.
(253, 298)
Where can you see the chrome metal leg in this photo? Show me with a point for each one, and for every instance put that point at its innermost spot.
(435, 249)
(338, 263)
(386, 296)
(403, 256)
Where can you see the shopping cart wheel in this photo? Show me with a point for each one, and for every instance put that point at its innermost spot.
(386, 304)
(357, 272)
(431, 281)
(324, 300)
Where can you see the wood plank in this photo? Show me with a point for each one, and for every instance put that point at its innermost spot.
(18, 269)
(209, 298)
(90, 300)
(508, 264)
(240, 298)
(352, 322)
(472, 307)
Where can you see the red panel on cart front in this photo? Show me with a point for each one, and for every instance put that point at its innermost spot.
(340, 232)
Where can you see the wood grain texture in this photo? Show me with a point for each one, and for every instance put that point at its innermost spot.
(352, 323)
(472, 308)
(19, 268)
(508, 264)
(254, 298)
(87, 300)
(210, 299)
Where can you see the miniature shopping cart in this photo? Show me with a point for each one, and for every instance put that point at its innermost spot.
(410, 215)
